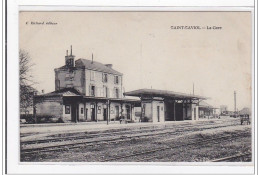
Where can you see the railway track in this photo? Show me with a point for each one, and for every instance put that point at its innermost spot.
(116, 139)
(98, 135)
(92, 135)
(234, 157)
(191, 143)
(195, 145)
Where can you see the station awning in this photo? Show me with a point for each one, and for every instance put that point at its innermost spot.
(163, 94)
(125, 100)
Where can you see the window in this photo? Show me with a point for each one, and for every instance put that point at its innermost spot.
(104, 78)
(144, 109)
(116, 80)
(81, 110)
(92, 92)
(99, 110)
(92, 76)
(117, 93)
(57, 82)
(69, 76)
(111, 110)
(67, 109)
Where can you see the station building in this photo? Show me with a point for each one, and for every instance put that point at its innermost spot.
(86, 90)
(162, 105)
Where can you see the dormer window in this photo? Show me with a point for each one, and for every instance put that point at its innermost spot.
(105, 78)
(116, 80)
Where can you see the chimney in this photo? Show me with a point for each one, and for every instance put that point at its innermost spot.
(69, 59)
(109, 65)
(43, 91)
(92, 59)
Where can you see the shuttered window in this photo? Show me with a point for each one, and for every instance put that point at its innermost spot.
(116, 80)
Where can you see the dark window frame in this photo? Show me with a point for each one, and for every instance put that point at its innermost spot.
(116, 79)
(67, 109)
(117, 93)
(93, 90)
(81, 111)
(105, 78)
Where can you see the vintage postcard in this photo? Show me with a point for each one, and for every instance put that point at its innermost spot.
(143, 87)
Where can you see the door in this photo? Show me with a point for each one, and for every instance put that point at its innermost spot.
(93, 113)
(105, 114)
(86, 114)
(158, 113)
(117, 112)
(194, 113)
(74, 113)
(128, 112)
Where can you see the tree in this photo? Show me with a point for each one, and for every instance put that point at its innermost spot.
(26, 81)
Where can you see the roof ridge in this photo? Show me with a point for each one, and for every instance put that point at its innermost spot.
(98, 66)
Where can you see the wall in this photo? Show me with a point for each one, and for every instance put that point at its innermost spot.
(66, 117)
(81, 115)
(88, 116)
(100, 85)
(147, 110)
(189, 112)
(48, 106)
(113, 110)
(71, 78)
(155, 104)
(100, 116)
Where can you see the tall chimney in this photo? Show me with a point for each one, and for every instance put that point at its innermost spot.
(69, 59)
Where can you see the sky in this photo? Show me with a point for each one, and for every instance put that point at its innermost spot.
(148, 51)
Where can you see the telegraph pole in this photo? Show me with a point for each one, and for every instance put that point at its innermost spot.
(193, 88)
(235, 102)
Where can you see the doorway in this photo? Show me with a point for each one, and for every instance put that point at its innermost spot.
(127, 112)
(105, 114)
(74, 113)
(93, 112)
(158, 113)
(117, 112)
(179, 111)
(86, 114)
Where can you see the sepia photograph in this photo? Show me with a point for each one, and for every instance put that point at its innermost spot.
(136, 86)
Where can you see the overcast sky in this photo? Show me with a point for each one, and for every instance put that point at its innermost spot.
(147, 51)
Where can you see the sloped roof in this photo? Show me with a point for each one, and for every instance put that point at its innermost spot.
(88, 64)
(205, 104)
(161, 93)
(63, 92)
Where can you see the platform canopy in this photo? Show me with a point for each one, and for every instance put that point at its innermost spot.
(163, 94)
(204, 104)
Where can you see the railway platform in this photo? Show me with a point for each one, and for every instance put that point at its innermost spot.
(42, 130)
